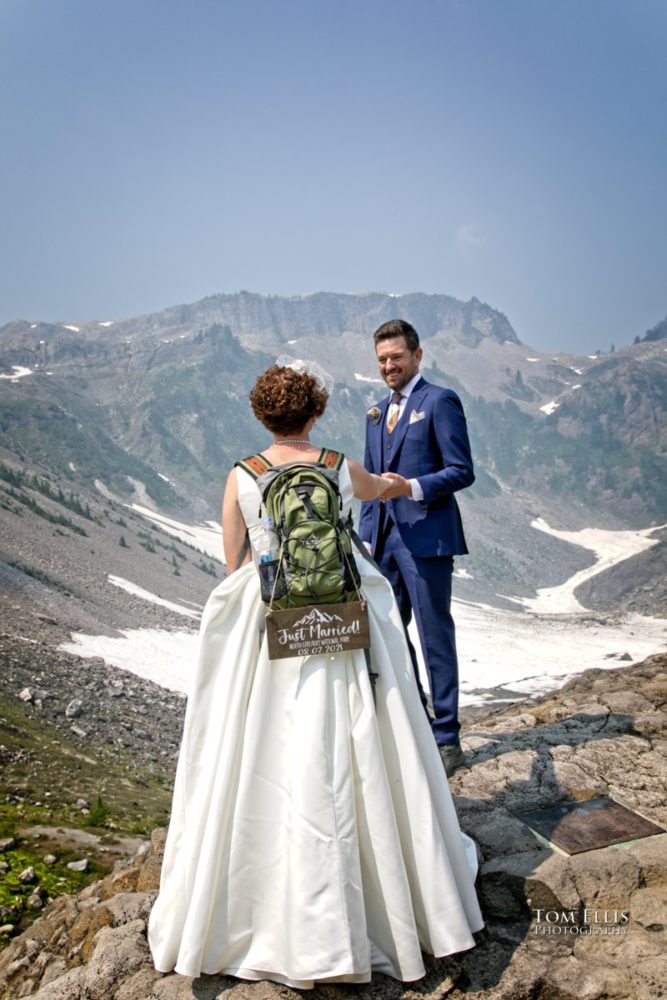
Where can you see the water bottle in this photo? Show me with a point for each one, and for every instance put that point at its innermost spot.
(269, 550)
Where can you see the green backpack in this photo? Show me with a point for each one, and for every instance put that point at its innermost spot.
(315, 561)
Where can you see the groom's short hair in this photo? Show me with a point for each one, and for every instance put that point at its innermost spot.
(397, 328)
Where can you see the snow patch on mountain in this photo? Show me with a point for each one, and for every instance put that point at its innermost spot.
(146, 595)
(18, 372)
(610, 547)
(166, 658)
(533, 654)
(206, 537)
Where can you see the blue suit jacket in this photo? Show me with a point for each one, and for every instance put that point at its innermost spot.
(434, 448)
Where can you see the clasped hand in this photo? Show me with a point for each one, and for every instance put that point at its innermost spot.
(401, 487)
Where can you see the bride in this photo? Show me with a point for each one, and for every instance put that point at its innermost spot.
(313, 836)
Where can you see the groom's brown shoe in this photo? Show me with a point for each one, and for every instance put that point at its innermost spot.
(452, 757)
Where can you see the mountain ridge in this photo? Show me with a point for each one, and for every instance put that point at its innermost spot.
(161, 401)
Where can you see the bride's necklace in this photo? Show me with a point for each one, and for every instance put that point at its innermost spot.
(293, 441)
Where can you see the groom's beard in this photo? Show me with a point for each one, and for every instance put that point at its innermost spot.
(398, 380)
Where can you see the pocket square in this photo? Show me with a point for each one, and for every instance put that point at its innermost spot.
(416, 415)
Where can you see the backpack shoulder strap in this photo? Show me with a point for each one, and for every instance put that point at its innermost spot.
(331, 459)
(254, 465)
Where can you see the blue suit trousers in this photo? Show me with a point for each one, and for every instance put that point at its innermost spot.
(423, 586)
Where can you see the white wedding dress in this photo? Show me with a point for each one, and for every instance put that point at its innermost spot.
(313, 835)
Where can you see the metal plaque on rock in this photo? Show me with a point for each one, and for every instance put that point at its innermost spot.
(576, 827)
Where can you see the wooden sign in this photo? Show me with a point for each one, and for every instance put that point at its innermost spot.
(325, 628)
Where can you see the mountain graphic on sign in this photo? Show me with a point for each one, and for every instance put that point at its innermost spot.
(317, 616)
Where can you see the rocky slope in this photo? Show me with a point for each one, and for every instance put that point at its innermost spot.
(61, 543)
(87, 752)
(87, 757)
(604, 733)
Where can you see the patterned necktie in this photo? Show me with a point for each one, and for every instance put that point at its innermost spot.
(394, 410)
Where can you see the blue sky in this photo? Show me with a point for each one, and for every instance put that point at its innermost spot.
(157, 151)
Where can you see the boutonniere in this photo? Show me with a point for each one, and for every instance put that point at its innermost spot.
(416, 415)
(374, 414)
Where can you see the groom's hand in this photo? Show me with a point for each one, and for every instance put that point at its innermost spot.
(401, 487)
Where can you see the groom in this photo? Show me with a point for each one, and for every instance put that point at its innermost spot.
(419, 432)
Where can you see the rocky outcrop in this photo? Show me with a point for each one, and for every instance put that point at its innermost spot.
(590, 927)
(601, 734)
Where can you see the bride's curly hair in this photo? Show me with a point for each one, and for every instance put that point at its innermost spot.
(284, 400)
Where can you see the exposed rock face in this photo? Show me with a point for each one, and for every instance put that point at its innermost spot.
(604, 733)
